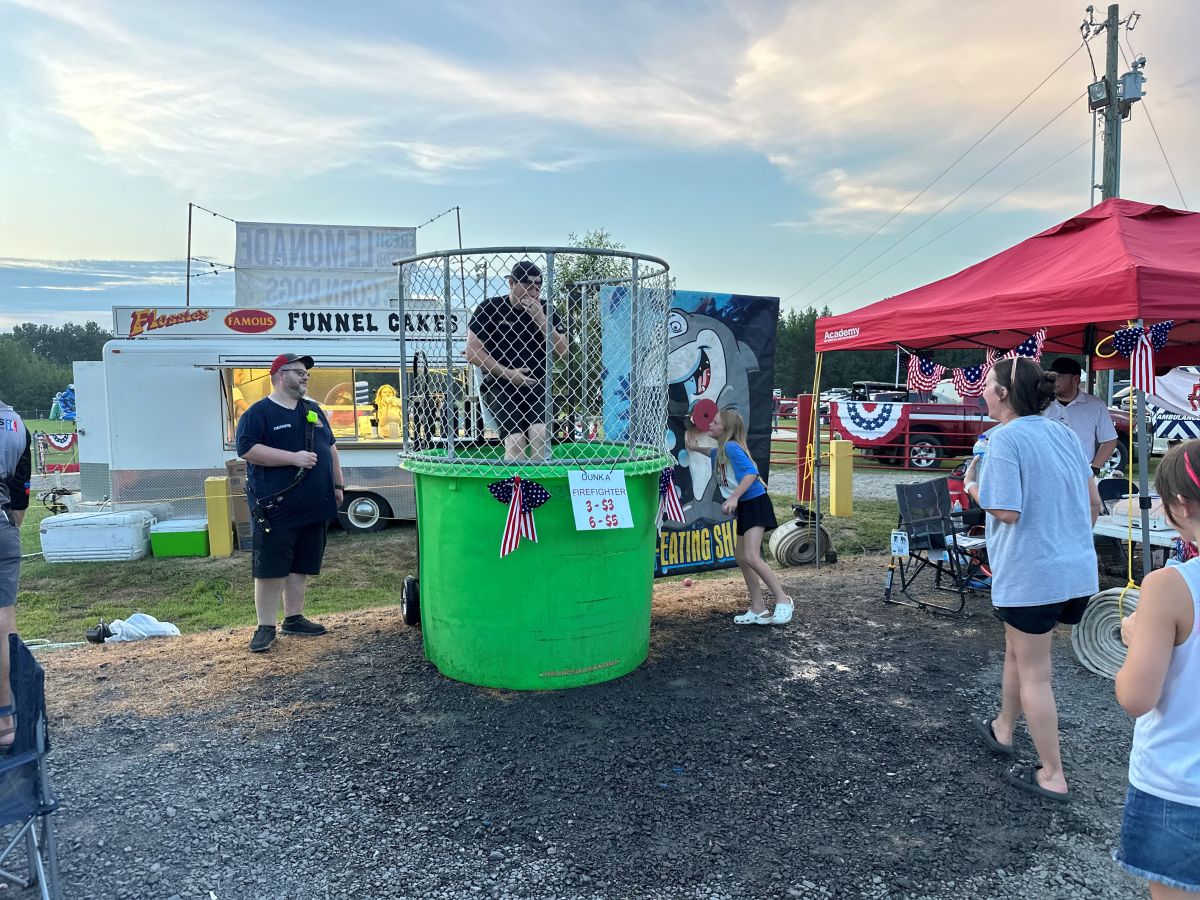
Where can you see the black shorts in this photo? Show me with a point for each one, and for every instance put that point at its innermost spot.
(756, 513)
(281, 552)
(514, 408)
(1041, 619)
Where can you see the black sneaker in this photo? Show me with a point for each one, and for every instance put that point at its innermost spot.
(264, 637)
(301, 626)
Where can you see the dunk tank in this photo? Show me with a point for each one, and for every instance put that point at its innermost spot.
(534, 429)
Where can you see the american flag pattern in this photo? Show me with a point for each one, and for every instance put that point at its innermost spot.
(522, 497)
(969, 380)
(61, 441)
(669, 506)
(1138, 345)
(1030, 347)
(923, 374)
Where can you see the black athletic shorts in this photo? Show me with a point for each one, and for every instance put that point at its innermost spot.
(514, 408)
(754, 513)
(1040, 619)
(281, 552)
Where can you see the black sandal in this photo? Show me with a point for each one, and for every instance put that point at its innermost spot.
(1025, 778)
(984, 727)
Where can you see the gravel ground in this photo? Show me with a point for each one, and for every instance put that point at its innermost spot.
(869, 484)
(831, 758)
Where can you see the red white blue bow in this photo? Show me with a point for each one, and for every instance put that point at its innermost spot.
(668, 501)
(522, 497)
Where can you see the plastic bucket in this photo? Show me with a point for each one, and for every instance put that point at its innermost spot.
(570, 610)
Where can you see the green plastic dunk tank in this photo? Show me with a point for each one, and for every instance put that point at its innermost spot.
(573, 607)
(569, 610)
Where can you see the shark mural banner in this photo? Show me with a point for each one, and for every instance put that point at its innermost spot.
(721, 349)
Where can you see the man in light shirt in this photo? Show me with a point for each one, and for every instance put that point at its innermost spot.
(1084, 414)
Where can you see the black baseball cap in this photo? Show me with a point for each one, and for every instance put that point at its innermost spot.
(1064, 365)
(284, 358)
(525, 271)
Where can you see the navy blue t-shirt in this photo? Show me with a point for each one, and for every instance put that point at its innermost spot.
(272, 425)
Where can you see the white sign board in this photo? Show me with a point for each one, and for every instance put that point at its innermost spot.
(599, 500)
(281, 266)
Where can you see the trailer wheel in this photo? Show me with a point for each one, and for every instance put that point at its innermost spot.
(363, 513)
(410, 601)
(924, 451)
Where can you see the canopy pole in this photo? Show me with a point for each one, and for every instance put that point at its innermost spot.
(817, 457)
(1143, 464)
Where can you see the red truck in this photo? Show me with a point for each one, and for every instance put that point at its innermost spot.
(902, 428)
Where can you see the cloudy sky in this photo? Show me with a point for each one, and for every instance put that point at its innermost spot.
(752, 143)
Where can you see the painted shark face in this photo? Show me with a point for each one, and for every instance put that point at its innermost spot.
(696, 359)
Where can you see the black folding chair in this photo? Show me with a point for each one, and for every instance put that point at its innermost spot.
(1111, 489)
(25, 797)
(935, 542)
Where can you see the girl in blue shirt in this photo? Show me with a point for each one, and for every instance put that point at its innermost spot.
(746, 495)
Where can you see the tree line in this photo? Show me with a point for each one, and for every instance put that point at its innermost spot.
(35, 361)
(795, 358)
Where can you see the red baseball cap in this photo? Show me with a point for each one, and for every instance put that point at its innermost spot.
(284, 358)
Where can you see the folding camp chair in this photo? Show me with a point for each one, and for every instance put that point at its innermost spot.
(1111, 489)
(25, 797)
(930, 538)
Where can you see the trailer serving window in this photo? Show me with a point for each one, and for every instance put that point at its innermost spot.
(362, 405)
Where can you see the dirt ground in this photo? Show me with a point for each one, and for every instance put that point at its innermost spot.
(833, 757)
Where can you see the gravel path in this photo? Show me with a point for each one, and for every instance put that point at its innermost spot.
(832, 758)
(868, 484)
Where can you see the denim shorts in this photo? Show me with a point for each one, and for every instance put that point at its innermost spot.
(1160, 840)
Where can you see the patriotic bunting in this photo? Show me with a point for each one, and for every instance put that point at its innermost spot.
(969, 380)
(1139, 344)
(923, 374)
(1030, 347)
(522, 497)
(61, 441)
(669, 507)
(869, 424)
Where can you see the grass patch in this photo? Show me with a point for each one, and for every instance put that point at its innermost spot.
(867, 531)
(60, 601)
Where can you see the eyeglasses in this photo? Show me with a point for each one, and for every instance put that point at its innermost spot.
(302, 372)
(536, 282)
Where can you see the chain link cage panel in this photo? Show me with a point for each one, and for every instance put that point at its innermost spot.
(533, 356)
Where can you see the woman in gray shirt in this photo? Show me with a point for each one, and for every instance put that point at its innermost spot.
(1041, 504)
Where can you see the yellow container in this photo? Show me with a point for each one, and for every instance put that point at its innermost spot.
(841, 478)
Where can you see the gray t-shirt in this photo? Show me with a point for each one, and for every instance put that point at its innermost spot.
(1088, 417)
(1037, 468)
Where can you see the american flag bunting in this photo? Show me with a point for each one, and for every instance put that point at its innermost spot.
(669, 505)
(923, 374)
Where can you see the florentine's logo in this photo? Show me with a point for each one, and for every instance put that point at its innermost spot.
(840, 335)
(250, 321)
(143, 320)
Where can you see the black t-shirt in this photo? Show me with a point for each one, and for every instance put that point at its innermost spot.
(510, 336)
(272, 425)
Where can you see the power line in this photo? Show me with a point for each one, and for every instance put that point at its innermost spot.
(1146, 109)
(955, 198)
(438, 216)
(943, 173)
(967, 219)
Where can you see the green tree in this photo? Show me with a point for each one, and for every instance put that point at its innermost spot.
(64, 344)
(29, 382)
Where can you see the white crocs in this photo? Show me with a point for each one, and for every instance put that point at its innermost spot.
(783, 611)
(750, 617)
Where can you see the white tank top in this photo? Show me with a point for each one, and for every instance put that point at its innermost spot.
(1165, 759)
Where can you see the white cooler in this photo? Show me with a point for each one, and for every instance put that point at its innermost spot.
(92, 537)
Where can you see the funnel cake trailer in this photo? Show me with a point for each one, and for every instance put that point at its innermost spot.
(175, 381)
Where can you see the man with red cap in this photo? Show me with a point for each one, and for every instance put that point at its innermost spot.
(294, 488)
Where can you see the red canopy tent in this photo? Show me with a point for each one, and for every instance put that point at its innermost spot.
(1081, 280)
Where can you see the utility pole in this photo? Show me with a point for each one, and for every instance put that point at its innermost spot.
(1111, 177)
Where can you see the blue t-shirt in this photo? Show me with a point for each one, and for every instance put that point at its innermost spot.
(273, 425)
(742, 465)
(1036, 467)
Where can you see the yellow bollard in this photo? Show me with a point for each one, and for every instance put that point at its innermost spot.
(841, 478)
(220, 516)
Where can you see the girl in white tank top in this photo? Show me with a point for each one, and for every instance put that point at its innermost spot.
(1158, 684)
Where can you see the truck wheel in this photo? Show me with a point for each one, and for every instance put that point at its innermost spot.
(410, 601)
(363, 513)
(924, 451)
(1120, 453)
